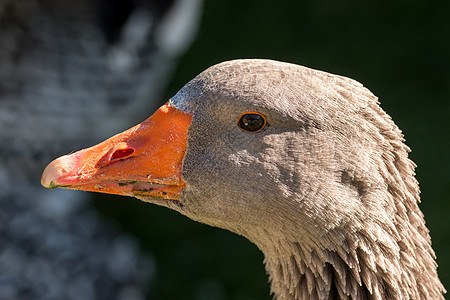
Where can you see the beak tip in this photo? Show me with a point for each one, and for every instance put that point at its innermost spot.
(49, 175)
(55, 170)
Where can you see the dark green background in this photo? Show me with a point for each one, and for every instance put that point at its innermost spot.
(399, 50)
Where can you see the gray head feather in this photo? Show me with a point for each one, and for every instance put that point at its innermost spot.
(326, 191)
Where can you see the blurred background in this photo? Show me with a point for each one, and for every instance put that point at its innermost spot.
(73, 73)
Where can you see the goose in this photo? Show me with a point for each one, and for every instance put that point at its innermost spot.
(304, 164)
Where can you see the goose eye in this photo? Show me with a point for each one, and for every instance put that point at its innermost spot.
(252, 122)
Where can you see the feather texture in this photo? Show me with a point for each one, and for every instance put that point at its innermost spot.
(327, 192)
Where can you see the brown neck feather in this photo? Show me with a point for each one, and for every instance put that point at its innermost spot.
(362, 270)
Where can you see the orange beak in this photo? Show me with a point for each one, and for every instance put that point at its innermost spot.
(145, 160)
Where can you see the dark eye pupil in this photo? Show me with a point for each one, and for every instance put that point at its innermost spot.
(252, 122)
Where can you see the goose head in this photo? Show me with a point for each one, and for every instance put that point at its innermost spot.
(303, 163)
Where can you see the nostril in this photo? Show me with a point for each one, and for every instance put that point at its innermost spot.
(121, 153)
